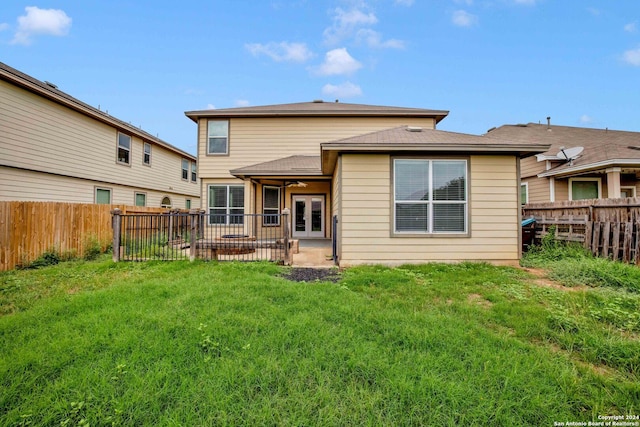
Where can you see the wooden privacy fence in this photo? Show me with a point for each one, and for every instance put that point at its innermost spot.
(28, 229)
(609, 228)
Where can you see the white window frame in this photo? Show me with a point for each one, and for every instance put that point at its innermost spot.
(227, 206)
(592, 179)
(146, 154)
(135, 198)
(122, 147)
(526, 192)
(166, 205)
(627, 188)
(194, 171)
(267, 221)
(185, 170)
(209, 136)
(187, 203)
(431, 203)
(95, 193)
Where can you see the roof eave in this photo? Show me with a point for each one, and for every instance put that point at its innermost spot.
(331, 150)
(438, 115)
(590, 167)
(87, 110)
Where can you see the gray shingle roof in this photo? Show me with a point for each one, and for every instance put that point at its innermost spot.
(601, 146)
(319, 109)
(297, 166)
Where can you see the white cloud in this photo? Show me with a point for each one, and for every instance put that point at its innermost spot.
(631, 27)
(463, 18)
(344, 90)
(211, 107)
(242, 103)
(53, 22)
(345, 23)
(374, 39)
(593, 11)
(281, 52)
(586, 119)
(632, 57)
(338, 62)
(404, 2)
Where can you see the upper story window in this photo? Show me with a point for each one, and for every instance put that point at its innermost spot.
(124, 149)
(185, 169)
(194, 174)
(218, 137)
(146, 157)
(430, 196)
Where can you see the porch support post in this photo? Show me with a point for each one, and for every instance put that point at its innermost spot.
(285, 218)
(613, 183)
(116, 224)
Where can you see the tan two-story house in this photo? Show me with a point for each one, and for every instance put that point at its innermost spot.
(381, 181)
(54, 147)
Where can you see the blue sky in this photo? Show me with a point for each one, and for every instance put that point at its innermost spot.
(488, 62)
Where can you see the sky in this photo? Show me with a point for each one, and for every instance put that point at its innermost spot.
(488, 63)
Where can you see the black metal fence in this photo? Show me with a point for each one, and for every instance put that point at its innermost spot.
(196, 234)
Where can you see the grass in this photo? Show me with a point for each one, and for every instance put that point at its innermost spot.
(198, 343)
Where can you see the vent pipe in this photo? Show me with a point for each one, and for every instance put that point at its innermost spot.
(548, 122)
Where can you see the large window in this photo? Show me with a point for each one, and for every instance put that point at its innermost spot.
(271, 205)
(124, 148)
(226, 204)
(218, 137)
(146, 157)
(584, 188)
(430, 196)
(103, 196)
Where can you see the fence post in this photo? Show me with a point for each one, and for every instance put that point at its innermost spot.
(194, 219)
(116, 224)
(285, 217)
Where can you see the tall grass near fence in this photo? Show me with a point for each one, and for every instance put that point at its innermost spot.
(30, 229)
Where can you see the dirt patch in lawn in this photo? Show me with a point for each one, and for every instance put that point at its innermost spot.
(541, 279)
(312, 275)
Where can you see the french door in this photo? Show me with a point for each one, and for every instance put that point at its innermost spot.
(308, 216)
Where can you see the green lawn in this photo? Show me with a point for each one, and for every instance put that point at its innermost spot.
(189, 344)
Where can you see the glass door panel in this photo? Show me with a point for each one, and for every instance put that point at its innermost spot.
(308, 216)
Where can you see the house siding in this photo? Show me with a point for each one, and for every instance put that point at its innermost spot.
(40, 135)
(257, 140)
(367, 222)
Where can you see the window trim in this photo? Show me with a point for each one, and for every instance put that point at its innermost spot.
(129, 150)
(144, 153)
(95, 195)
(431, 234)
(135, 198)
(592, 179)
(526, 193)
(264, 209)
(185, 172)
(226, 151)
(629, 187)
(226, 207)
(164, 205)
(194, 172)
(187, 203)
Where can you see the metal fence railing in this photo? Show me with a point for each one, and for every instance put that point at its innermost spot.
(222, 237)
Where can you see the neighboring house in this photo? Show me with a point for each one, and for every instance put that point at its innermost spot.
(54, 147)
(581, 163)
(399, 190)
